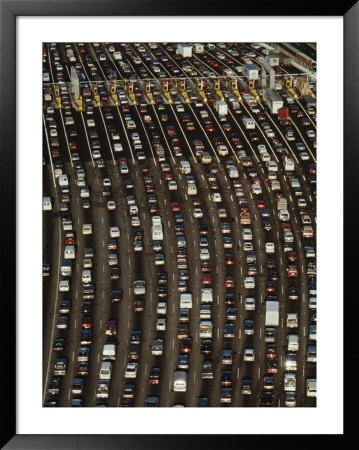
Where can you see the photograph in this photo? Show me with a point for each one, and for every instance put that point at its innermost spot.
(179, 242)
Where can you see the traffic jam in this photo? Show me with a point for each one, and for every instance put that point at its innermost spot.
(179, 225)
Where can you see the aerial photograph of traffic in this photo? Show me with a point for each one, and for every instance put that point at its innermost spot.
(179, 224)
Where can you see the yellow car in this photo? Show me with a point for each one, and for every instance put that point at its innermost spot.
(86, 229)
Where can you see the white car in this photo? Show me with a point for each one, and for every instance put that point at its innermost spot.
(247, 234)
(106, 182)
(204, 253)
(159, 259)
(247, 246)
(64, 286)
(135, 221)
(118, 147)
(304, 156)
(96, 154)
(197, 212)
(131, 370)
(172, 185)
(248, 354)
(310, 133)
(86, 229)
(162, 308)
(249, 283)
(90, 123)
(111, 205)
(256, 189)
(179, 108)
(270, 248)
(124, 168)
(249, 304)
(114, 232)
(216, 197)
(161, 324)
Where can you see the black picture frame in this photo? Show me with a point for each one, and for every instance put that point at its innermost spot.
(9, 11)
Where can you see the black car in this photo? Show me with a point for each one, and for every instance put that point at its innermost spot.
(206, 346)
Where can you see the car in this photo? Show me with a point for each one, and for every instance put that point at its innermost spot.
(154, 375)
(186, 345)
(152, 401)
(232, 313)
(131, 370)
(87, 229)
(206, 346)
(197, 213)
(248, 354)
(229, 331)
(161, 324)
(249, 304)
(248, 326)
(229, 281)
(114, 232)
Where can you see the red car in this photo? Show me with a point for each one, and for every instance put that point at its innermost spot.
(70, 238)
(206, 279)
(292, 271)
(175, 206)
(229, 259)
(292, 256)
(86, 322)
(270, 286)
(186, 345)
(229, 282)
(261, 204)
(111, 327)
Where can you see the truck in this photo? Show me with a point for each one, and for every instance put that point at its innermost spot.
(157, 230)
(180, 381)
(184, 50)
(292, 320)
(281, 203)
(205, 329)
(272, 314)
(273, 100)
(250, 71)
(289, 382)
(103, 388)
(221, 108)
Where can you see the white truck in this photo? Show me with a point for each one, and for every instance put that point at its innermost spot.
(205, 329)
(206, 295)
(180, 381)
(292, 320)
(157, 230)
(272, 314)
(289, 382)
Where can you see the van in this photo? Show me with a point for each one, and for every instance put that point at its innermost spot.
(46, 204)
(69, 252)
(186, 300)
(293, 342)
(63, 180)
(206, 295)
(106, 370)
(249, 123)
(180, 381)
